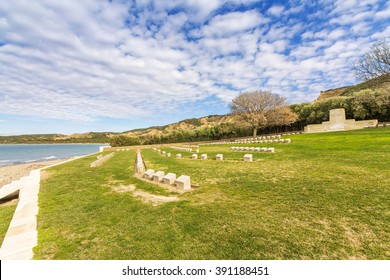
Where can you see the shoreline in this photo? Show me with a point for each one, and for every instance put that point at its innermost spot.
(9, 173)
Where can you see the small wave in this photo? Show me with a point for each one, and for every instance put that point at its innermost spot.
(29, 161)
(51, 157)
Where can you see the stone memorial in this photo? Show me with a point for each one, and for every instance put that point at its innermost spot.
(248, 157)
(194, 156)
(149, 174)
(219, 157)
(169, 179)
(338, 122)
(178, 156)
(183, 182)
(158, 176)
(203, 156)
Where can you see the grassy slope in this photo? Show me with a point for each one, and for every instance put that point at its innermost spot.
(325, 196)
(6, 213)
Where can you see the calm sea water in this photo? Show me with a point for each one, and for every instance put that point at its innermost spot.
(14, 154)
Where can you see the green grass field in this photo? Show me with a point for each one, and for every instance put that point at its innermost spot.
(6, 212)
(324, 196)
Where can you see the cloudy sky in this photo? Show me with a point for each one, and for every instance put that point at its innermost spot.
(77, 66)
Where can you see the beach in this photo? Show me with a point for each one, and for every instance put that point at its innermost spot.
(14, 172)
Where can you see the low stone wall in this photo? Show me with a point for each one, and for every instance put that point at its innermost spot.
(102, 160)
(139, 166)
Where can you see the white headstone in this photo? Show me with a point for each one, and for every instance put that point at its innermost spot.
(203, 156)
(158, 176)
(149, 174)
(248, 157)
(169, 178)
(183, 182)
(219, 157)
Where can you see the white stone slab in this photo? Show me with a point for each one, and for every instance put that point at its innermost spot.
(149, 174)
(178, 156)
(158, 176)
(194, 156)
(248, 157)
(219, 157)
(183, 182)
(169, 179)
(203, 156)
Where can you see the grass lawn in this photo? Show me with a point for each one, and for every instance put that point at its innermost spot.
(324, 196)
(7, 211)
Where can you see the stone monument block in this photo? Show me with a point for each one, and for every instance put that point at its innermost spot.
(183, 182)
(248, 157)
(203, 156)
(178, 156)
(338, 122)
(219, 157)
(169, 179)
(149, 174)
(194, 156)
(158, 176)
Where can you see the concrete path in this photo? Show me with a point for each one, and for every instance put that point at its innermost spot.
(22, 235)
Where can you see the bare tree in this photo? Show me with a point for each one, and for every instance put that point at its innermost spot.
(261, 108)
(374, 63)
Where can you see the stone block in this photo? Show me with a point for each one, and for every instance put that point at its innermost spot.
(168, 154)
(178, 156)
(263, 149)
(281, 140)
(194, 156)
(219, 157)
(248, 157)
(169, 179)
(271, 150)
(157, 177)
(163, 153)
(149, 174)
(183, 182)
(288, 140)
(257, 149)
(203, 156)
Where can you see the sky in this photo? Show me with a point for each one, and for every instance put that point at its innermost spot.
(77, 66)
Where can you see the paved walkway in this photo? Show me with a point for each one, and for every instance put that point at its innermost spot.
(22, 234)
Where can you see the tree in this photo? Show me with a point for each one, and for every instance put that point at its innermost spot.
(374, 63)
(261, 108)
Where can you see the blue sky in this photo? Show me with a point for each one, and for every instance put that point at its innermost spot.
(78, 66)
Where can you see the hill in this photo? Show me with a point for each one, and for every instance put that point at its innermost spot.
(376, 83)
(90, 137)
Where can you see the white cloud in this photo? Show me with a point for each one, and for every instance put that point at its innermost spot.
(233, 23)
(276, 11)
(84, 60)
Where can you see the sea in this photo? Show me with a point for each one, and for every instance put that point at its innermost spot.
(26, 153)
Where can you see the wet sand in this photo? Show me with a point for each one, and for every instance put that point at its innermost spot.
(11, 173)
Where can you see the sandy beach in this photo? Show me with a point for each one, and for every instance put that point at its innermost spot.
(11, 173)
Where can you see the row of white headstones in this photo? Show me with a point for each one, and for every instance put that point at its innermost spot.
(183, 182)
